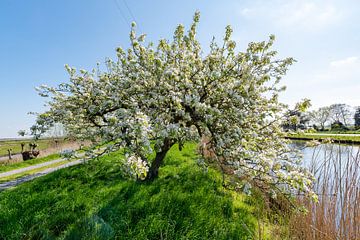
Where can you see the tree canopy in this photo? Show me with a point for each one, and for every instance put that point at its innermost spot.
(321, 117)
(357, 117)
(174, 92)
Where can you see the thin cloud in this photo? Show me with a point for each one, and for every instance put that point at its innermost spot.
(349, 61)
(343, 72)
(300, 14)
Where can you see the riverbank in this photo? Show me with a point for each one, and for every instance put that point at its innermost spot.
(340, 138)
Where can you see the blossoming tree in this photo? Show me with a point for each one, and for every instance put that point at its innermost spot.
(172, 93)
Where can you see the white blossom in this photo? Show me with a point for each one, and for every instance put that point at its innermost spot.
(136, 167)
(173, 93)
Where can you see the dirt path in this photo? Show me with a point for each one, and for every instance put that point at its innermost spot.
(18, 181)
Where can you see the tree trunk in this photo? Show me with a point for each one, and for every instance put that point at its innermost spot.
(159, 158)
(9, 153)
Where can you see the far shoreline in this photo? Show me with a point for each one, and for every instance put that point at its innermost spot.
(336, 138)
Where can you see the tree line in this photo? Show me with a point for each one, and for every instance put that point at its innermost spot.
(337, 116)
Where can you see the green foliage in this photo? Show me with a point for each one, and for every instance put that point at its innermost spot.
(95, 201)
(338, 126)
(310, 130)
(303, 105)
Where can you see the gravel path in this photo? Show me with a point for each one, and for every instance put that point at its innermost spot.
(20, 170)
(18, 181)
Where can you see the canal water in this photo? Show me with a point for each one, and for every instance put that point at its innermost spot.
(326, 152)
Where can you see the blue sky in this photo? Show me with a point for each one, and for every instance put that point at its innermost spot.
(38, 37)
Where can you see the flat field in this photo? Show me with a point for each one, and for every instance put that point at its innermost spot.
(15, 145)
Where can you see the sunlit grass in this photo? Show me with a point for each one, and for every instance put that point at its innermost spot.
(321, 136)
(95, 201)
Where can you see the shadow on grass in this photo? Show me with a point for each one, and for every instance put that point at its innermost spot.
(94, 201)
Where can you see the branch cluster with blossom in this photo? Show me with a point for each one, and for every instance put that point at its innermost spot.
(172, 93)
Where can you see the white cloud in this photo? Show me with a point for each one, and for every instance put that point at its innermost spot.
(308, 14)
(304, 14)
(350, 61)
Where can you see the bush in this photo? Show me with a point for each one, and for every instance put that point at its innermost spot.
(338, 126)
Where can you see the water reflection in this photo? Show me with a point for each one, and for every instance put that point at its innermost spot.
(325, 151)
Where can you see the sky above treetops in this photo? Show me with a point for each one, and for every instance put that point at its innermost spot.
(38, 37)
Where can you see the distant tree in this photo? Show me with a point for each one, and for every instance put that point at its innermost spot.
(173, 93)
(296, 119)
(22, 133)
(320, 117)
(341, 113)
(357, 118)
(292, 120)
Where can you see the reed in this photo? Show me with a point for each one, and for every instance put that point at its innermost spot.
(337, 213)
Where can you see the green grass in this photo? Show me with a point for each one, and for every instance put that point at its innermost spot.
(340, 132)
(320, 136)
(95, 201)
(13, 166)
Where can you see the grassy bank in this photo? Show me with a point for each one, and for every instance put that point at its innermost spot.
(95, 201)
(342, 138)
(340, 132)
